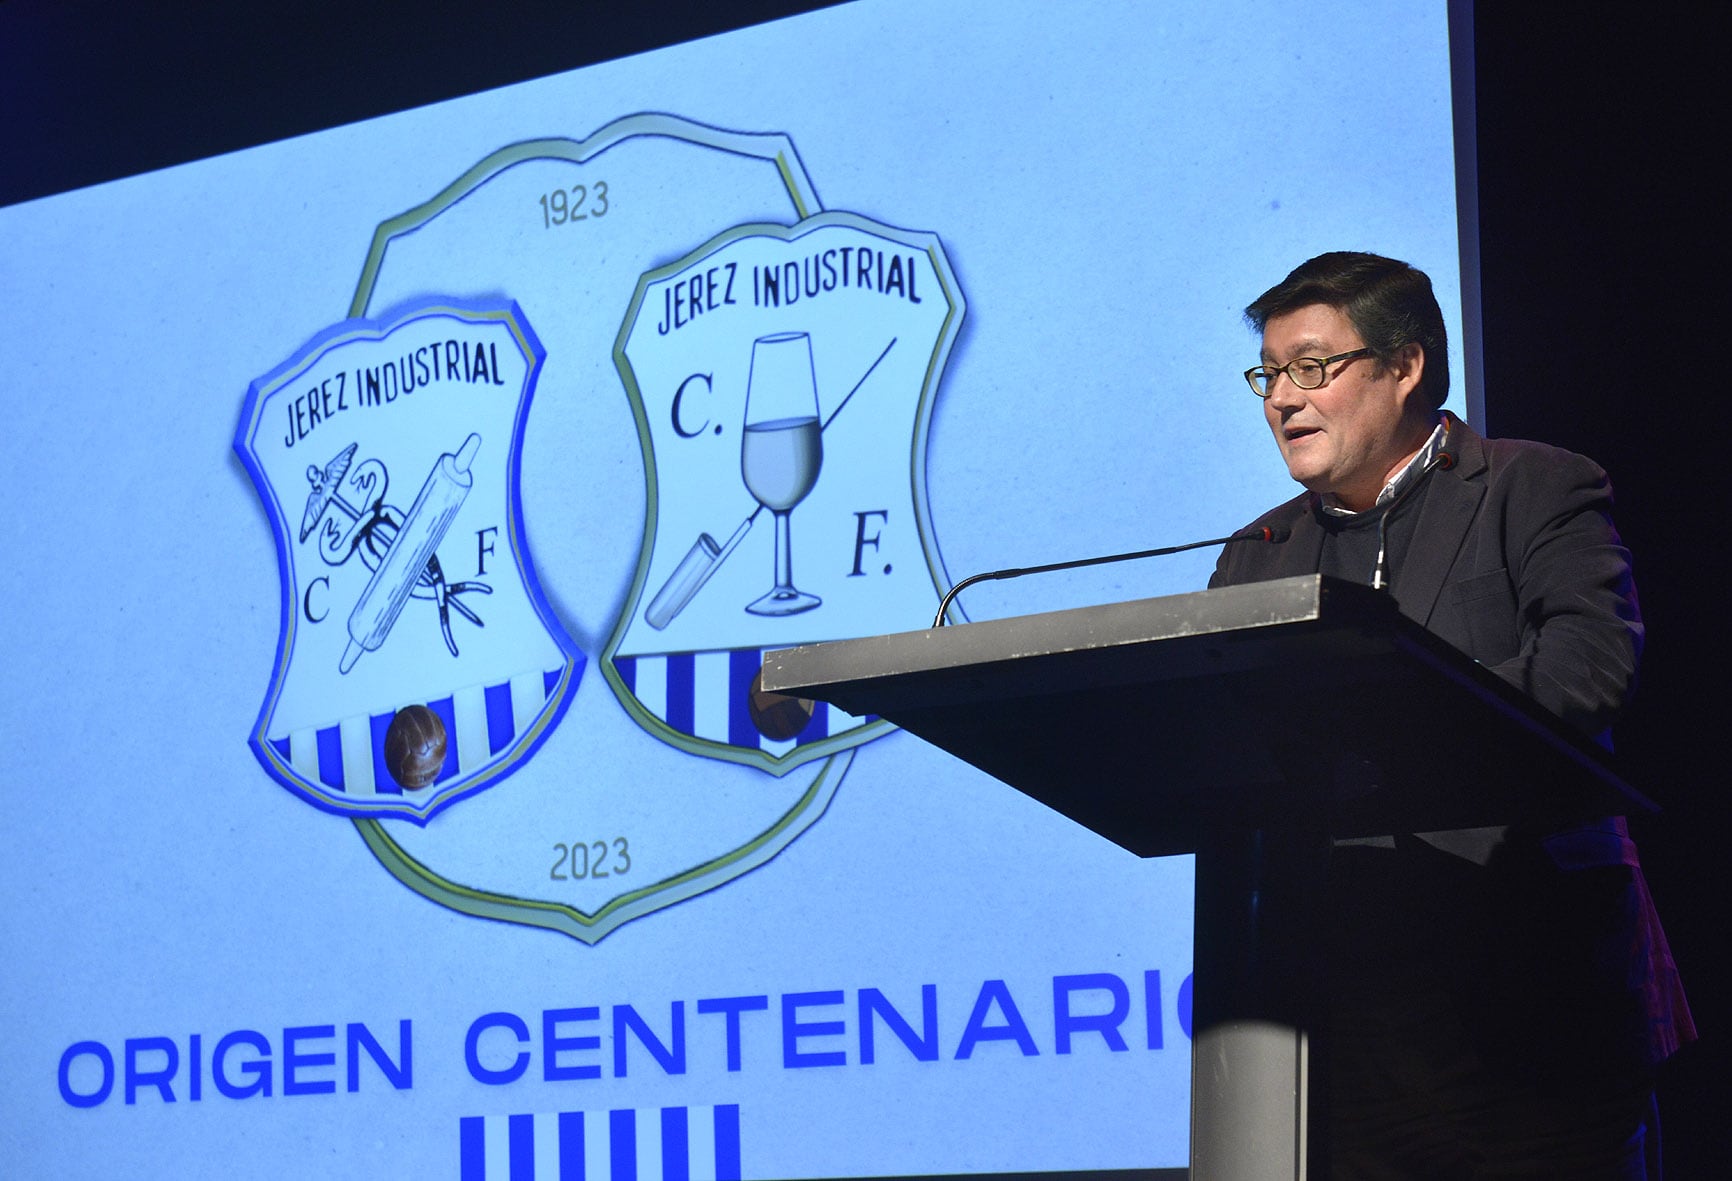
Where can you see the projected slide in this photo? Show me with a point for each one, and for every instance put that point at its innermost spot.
(737, 359)
(401, 515)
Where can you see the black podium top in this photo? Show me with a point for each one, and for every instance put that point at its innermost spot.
(1304, 700)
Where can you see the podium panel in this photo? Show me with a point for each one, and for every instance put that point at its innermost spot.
(1251, 725)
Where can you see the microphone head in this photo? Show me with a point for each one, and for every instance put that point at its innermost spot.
(1445, 460)
(1272, 533)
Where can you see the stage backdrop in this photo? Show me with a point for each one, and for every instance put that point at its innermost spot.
(396, 518)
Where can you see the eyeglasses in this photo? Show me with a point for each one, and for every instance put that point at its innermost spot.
(1308, 373)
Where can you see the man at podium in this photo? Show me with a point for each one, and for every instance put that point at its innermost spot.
(1500, 997)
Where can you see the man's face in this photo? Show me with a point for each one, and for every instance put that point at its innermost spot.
(1352, 433)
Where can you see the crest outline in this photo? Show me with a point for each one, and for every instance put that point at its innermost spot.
(925, 242)
(778, 149)
(558, 688)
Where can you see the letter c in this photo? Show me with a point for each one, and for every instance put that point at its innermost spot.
(472, 1042)
(307, 599)
(679, 427)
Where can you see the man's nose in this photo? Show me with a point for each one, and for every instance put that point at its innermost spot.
(1283, 394)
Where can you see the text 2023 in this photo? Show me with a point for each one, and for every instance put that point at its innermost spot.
(591, 860)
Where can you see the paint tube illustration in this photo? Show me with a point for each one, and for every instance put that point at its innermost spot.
(702, 560)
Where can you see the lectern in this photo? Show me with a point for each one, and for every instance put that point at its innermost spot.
(1252, 725)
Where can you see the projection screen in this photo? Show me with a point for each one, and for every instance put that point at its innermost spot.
(397, 516)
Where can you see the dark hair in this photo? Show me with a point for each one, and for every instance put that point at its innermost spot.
(1389, 303)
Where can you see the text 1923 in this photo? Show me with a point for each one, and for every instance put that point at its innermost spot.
(579, 203)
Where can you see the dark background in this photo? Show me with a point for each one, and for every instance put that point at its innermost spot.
(1604, 329)
(1598, 224)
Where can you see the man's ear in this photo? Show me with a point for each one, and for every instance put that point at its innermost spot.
(1407, 366)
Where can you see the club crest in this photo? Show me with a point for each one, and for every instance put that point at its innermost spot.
(782, 379)
(681, 779)
(418, 661)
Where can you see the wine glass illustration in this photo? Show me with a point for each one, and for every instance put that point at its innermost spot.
(781, 451)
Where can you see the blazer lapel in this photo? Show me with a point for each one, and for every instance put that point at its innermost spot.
(1445, 517)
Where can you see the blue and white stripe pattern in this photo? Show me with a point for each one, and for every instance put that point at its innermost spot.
(347, 760)
(704, 694)
(655, 1144)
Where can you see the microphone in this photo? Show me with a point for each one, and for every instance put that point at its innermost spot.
(1380, 573)
(1273, 534)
